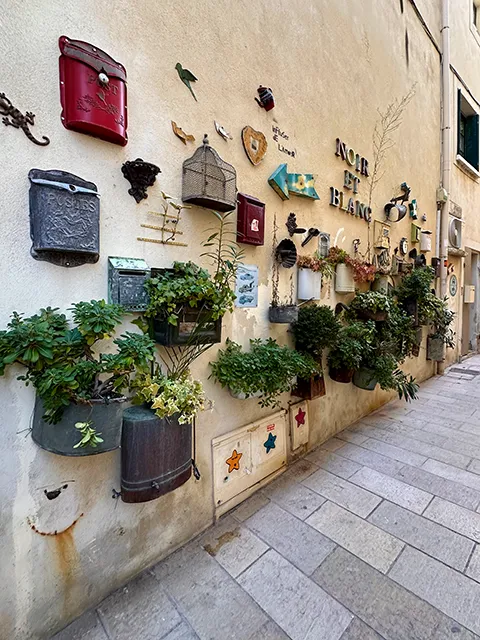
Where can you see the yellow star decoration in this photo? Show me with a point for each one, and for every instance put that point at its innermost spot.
(234, 461)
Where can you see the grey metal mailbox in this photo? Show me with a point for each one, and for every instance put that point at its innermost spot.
(64, 218)
(126, 280)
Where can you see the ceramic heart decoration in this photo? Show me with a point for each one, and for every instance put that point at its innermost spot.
(255, 144)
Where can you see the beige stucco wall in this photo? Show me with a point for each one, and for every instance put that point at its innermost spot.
(331, 66)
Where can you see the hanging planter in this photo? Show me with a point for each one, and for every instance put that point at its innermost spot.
(341, 375)
(435, 349)
(380, 284)
(62, 437)
(195, 326)
(411, 309)
(310, 388)
(309, 284)
(344, 282)
(365, 379)
(156, 454)
(283, 314)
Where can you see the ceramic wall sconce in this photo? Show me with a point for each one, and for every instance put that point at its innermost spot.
(141, 175)
(93, 91)
(299, 184)
(64, 218)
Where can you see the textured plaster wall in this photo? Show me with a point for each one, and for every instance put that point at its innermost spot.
(331, 66)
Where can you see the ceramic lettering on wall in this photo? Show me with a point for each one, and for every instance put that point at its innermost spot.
(351, 182)
(280, 137)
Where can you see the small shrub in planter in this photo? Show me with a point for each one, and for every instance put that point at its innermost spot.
(73, 384)
(353, 342)
(414, 294)
(267, 368)
(383, 369)
(371, 305)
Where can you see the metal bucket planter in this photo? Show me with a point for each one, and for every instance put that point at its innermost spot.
(194, 326)
(344, 282)
(310, 388)
(309, 284)
(435, 349)
(156, 454)
(283, 314)
(61, 438)
(380, 284)
(418, 342)
(364, 379)
(341, 375)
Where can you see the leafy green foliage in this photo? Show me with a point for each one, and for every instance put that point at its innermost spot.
(267, 368)
(373, 301)
(169, 395)
(386, 372)
(90, 437)
(60, 361)
(354, 343)
(315, 329)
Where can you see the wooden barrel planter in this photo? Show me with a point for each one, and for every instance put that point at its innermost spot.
(156, 454)
(62, 437)
(364, 379)
(310, 388)
(341, 375)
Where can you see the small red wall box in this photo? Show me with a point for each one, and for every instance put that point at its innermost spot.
(250, 219)
(93, 91)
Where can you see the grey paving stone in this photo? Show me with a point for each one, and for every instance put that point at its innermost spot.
(429, 418)
(467, 448)
(454, 517)
(474, 466)
(429, 450)
(351, 436)
(333, 444)
(371, 459)
(212, 602)
(473, 569)
(293, 497)
(395, 453)
(447, 590)
(453, 491)
(394, 612)
(299, 606)
(269, 631)
(182, 632)
(334, 463)
(300, 544)
(358, 630)
(342, 492)
(417, 434)
(250, 506)
(87, 627)
(435, 540)
(394, 490)
(235, 547)
(356, 535)
(453, 473)
(300, 470)
(141, 609)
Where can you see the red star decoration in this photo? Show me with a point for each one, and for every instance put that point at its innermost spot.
(300, 417)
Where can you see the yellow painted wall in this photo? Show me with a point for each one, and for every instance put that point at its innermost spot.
(331, 66)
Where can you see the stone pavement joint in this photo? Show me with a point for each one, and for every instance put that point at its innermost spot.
(375, 535)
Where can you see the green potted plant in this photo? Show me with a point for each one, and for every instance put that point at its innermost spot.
(315, 330)
(157, 434)
(186, 302)
(383, 369)
(414, 293)
(78, 408)
(353, 342)
(311, 269)
(371, 305)
(443, 335)
(265, 371)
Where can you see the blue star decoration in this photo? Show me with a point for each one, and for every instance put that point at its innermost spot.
(270, 442)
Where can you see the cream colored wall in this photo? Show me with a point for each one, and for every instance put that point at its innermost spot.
(331, 66)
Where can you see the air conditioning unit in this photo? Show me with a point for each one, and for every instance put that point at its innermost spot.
(455, 233)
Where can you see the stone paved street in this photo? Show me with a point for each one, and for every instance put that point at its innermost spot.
(373, 535)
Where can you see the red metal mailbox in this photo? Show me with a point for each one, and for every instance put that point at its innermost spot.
(250, 220)
(93, 91)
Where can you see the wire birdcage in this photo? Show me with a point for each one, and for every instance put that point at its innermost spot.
(209, 181)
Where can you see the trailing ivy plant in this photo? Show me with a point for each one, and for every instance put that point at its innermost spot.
(315, 329)
(267, 368)
(60, 360)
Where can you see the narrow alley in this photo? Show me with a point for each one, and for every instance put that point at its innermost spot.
(373, 535)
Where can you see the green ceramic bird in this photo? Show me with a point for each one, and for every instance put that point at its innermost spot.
(186, 77)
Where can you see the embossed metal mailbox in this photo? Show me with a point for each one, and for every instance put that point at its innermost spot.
(64, 218)
(93, 91)
(126, 282)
